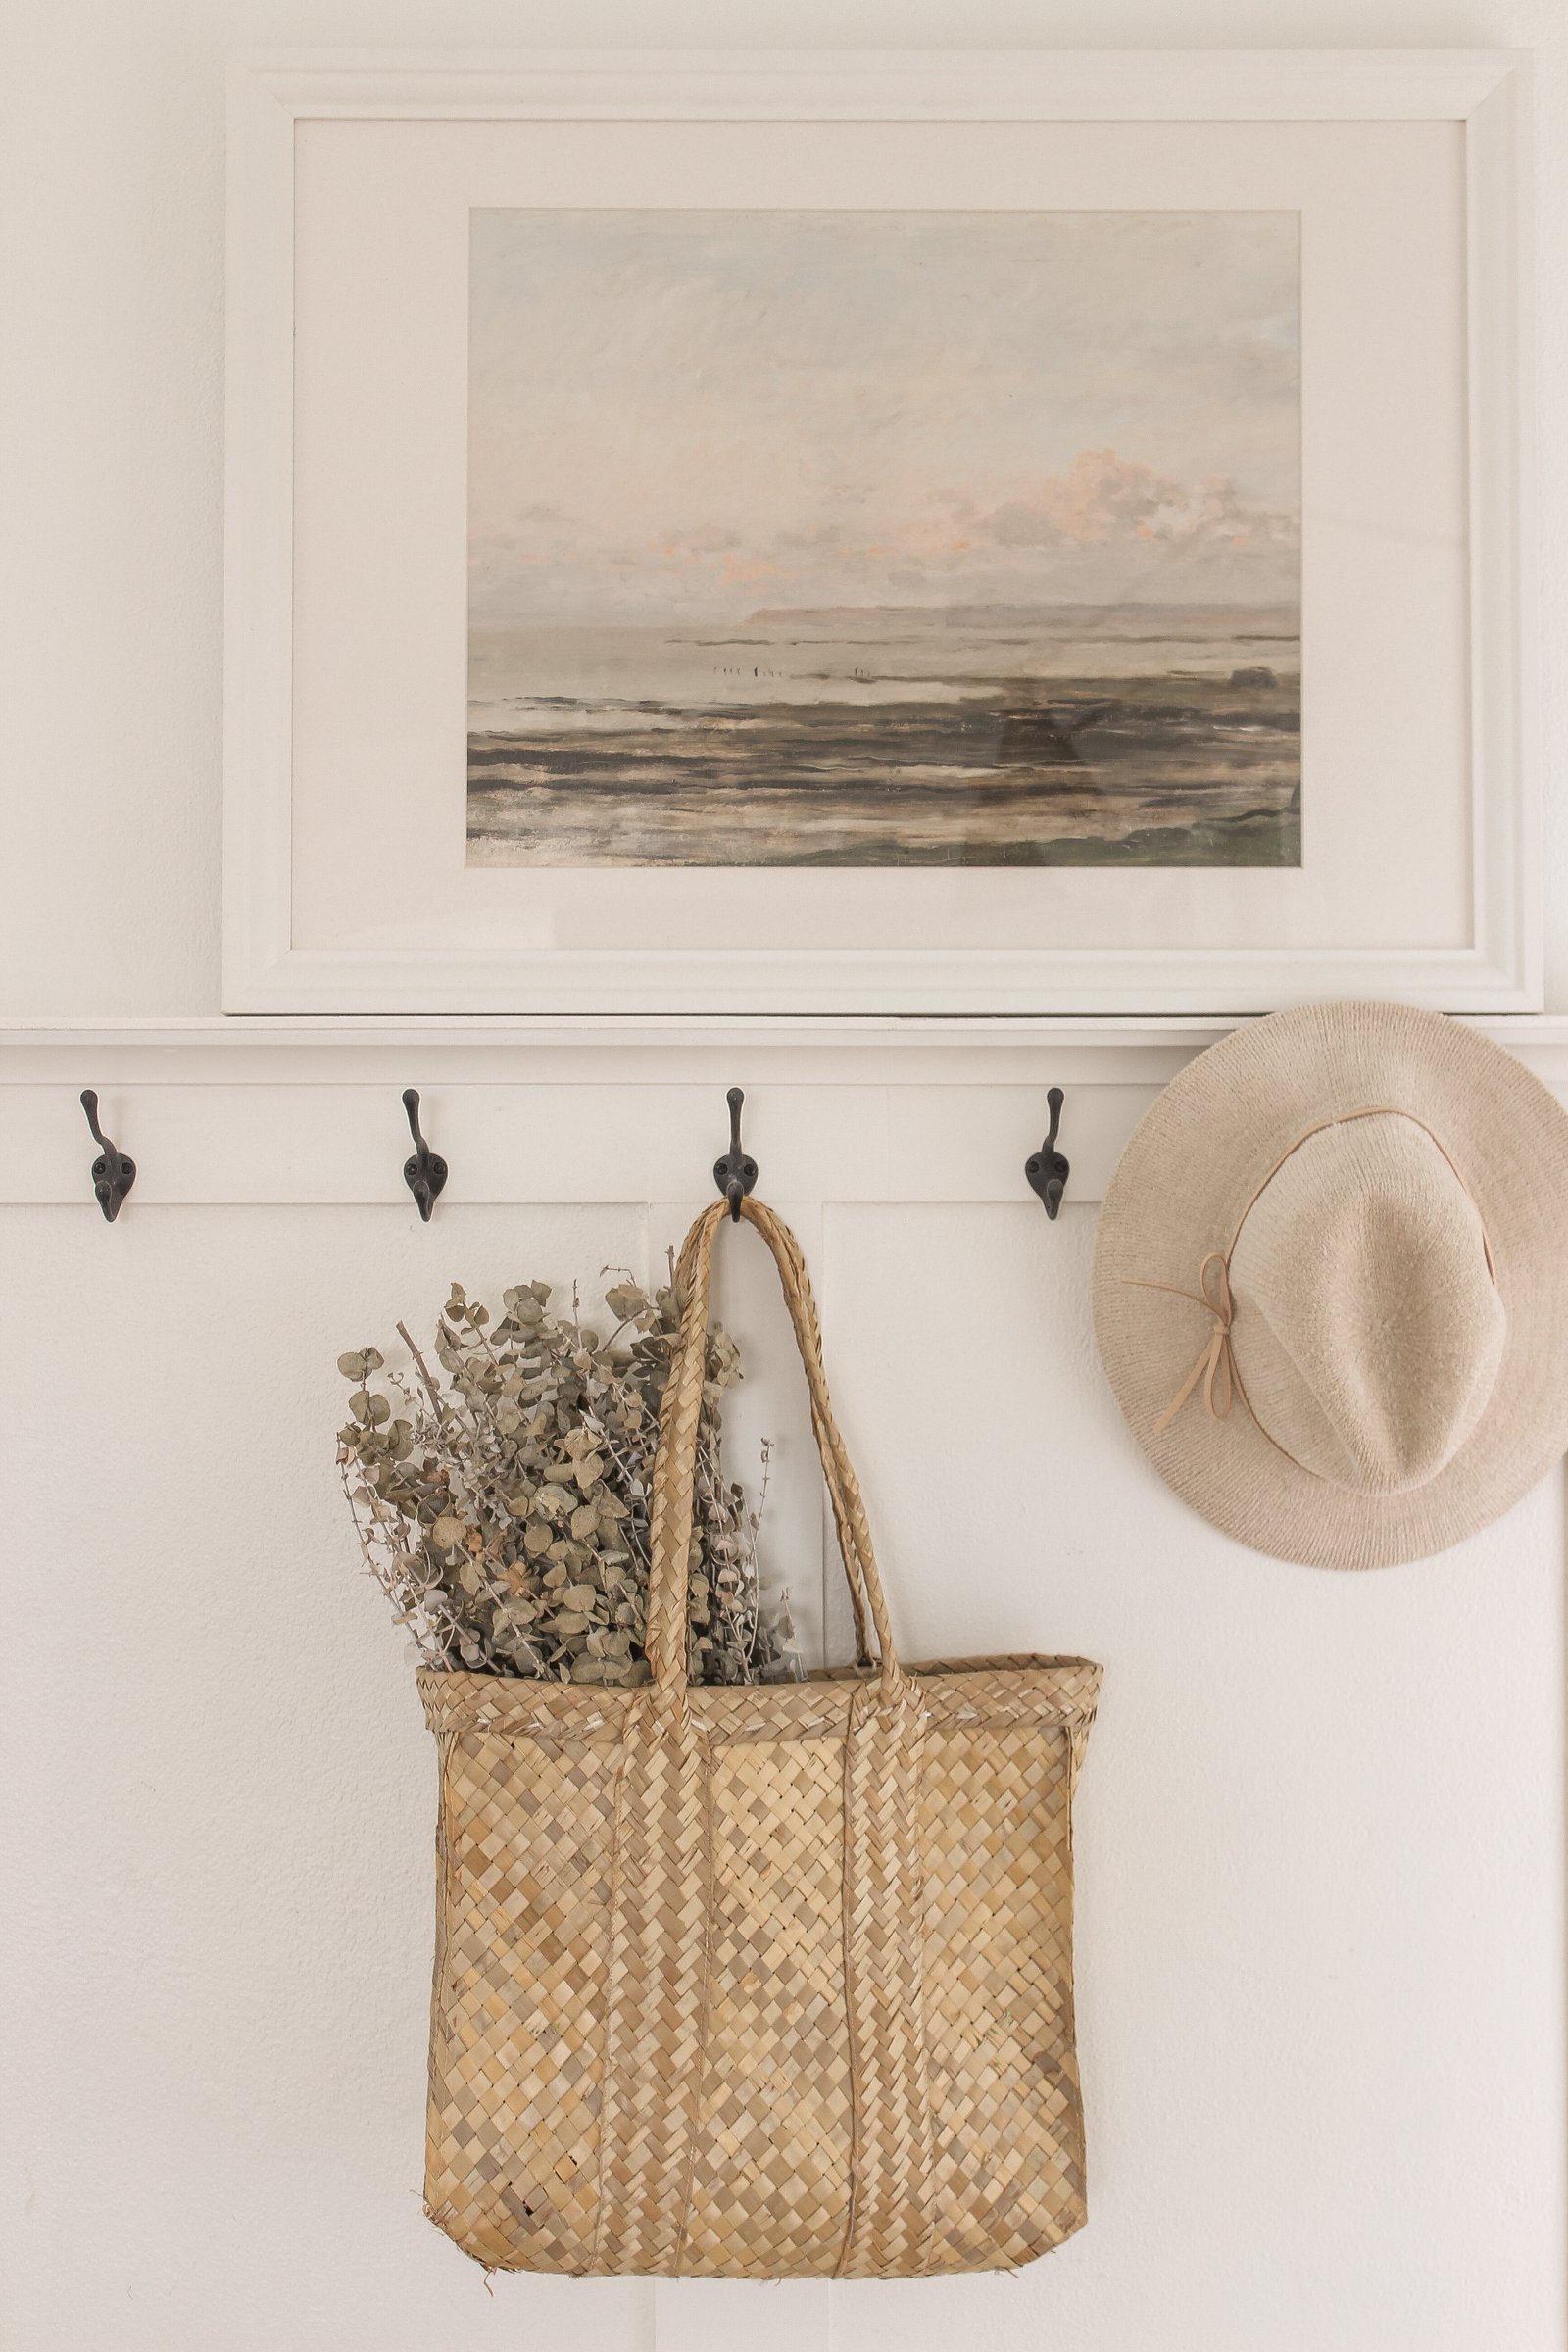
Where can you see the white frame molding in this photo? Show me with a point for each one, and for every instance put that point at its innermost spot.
(1487, 90)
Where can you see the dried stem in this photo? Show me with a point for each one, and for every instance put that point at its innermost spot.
(410, 1342)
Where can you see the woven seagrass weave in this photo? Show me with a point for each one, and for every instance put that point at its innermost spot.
(768, 1983)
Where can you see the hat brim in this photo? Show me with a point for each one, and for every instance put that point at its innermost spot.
(1188, 1172)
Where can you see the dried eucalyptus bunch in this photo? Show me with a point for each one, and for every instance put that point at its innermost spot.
(505, 1516)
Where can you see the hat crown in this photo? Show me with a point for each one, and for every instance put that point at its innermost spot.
(1367, 1331)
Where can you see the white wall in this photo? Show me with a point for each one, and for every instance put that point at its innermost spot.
(1320, 1833)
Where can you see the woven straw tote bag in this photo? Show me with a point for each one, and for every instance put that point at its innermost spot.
(770, 1982)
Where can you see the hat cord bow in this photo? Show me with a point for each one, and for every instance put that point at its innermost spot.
(1216, 1364)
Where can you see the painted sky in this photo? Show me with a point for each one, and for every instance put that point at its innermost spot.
(694, 415)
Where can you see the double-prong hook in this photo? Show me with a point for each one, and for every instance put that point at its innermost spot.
(114, 1173)
(735, 1172)
(425, 1171)
(1047, 1169)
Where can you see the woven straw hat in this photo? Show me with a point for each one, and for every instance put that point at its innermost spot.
(1331, 1284)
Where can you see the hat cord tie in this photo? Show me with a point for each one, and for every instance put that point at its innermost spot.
(1217, 1363)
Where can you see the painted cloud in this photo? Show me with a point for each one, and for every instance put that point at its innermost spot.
(698, 413)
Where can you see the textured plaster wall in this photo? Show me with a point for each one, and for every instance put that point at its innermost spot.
(1319, 1840)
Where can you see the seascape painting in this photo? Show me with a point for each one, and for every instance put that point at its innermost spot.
(884, 539)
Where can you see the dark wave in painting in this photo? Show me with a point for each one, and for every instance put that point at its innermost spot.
(908, 743)
(1128, 773)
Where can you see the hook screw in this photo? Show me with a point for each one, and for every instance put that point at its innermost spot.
(114, 1173)
(1047, 1169)
(425, 1171)
(735, 1172)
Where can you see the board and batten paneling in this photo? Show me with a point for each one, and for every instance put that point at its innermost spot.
(878, 1112)
(1318, 1978)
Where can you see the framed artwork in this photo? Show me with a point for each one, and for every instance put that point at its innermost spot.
(878, 534)
(825, 607)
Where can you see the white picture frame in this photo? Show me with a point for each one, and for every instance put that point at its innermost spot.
(1488, 961)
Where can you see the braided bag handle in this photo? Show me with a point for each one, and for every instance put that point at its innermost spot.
(674, 1467)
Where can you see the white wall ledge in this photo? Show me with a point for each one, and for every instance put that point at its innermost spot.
(1520, 1031)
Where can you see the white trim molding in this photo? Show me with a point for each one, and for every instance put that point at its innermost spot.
(309, 1113)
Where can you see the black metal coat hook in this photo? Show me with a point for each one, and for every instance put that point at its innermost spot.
(1047, 1169)
(114, 1173)
(735, 1173)
(425, 1171)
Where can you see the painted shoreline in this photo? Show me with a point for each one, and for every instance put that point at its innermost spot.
(1155, 770)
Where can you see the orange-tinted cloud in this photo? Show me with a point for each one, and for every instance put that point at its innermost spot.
(1104, 499)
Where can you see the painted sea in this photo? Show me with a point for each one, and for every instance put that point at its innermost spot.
(1134, 734)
